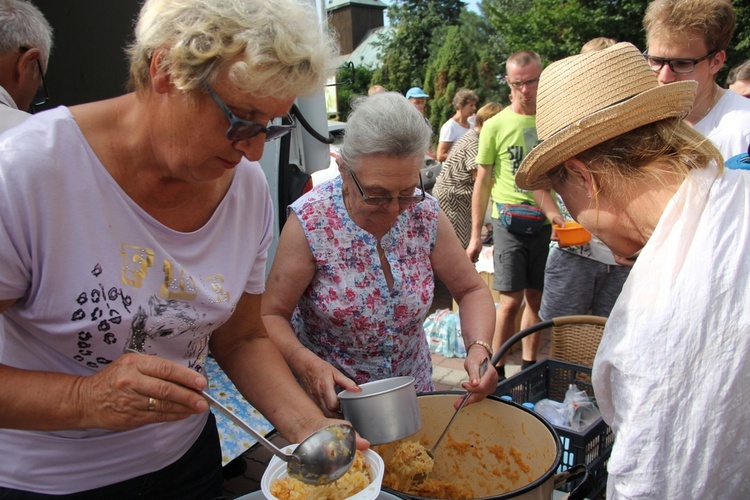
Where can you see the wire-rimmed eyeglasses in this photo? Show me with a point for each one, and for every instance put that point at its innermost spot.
(240, 130)
(381, 201)
(679, 65)
(44, 99)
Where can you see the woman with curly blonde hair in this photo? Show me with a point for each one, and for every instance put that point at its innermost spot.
(135, 233)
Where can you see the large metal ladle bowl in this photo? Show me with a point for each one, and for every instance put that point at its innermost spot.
(321, 458)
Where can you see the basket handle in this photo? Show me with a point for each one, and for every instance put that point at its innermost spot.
(518, 336)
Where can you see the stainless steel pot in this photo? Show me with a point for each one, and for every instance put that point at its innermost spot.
(385, 411)
(486, 426)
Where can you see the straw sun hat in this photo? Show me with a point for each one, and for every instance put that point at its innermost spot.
(589, 98)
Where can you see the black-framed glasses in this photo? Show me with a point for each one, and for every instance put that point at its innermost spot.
(240, 130)
(519, 85)
(381, 201)
(679, 65)
(44, 99)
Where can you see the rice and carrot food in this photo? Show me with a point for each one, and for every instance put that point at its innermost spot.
(356, 479)
(408, 469)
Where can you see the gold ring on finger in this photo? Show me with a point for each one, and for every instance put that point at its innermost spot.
(151, 404)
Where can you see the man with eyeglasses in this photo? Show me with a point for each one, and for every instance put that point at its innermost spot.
(519, 259)
(687, 40)
(25, 44)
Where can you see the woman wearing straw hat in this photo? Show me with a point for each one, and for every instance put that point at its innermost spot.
(672, 369)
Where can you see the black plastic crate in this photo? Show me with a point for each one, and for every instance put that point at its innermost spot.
(550, 379)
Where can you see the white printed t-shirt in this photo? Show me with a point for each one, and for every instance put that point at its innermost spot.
(95, 273)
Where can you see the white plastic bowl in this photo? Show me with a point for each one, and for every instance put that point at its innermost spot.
(277, 470)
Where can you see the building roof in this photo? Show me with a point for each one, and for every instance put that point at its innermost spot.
(336, 4)
(366, 54)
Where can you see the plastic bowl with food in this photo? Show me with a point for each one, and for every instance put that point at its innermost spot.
(384, 410)
(572, 234)
(351, 486)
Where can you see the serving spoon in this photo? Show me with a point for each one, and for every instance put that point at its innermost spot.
(482, 370)
(421, 476)
(321, 458)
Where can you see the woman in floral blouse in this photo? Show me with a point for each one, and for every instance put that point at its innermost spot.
(353, 276)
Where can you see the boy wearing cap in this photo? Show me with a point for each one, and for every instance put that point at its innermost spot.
(519, 258)
(687, 40)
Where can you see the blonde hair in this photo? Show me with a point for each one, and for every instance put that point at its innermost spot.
(270, 48)
(523, 58)
(675, 20)
(487, 111)
(599, 43)
(647, 153)
(740, 72)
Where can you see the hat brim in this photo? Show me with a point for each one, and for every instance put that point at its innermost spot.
(666, 101)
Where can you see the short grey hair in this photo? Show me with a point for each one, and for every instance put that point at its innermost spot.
(272, 48)
(384, 124)
(24, 25)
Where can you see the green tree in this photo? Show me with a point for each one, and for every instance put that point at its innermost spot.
(452, 69)
(353, 81)
(739, 51)
(558, 28)
(418, 29)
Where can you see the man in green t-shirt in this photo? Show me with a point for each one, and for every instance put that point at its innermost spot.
(519, 259)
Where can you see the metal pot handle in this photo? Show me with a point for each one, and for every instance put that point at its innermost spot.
(565, 477)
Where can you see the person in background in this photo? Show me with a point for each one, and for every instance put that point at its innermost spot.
(519, 259)
(738, 79)
(671, 373)
(143, 246)
(465, 102)
(455, 184)
(598, 43)
(353, 276)
(375, 89)
(418, 98)
(25, 46)
(687, 40)
(579, 279)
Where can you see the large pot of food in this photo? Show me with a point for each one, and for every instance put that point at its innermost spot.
(494, 449)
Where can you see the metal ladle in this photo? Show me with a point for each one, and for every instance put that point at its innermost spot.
(321, 458)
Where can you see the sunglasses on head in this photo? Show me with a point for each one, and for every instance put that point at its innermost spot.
(240, 130)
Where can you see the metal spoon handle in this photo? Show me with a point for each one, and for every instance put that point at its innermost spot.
(482, 369)
(237, 420)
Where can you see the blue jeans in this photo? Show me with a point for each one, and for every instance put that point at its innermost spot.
(196, 475)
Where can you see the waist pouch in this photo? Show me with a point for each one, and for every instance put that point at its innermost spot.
(521, 218)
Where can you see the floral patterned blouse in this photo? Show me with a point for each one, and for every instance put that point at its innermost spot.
(348, 315)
